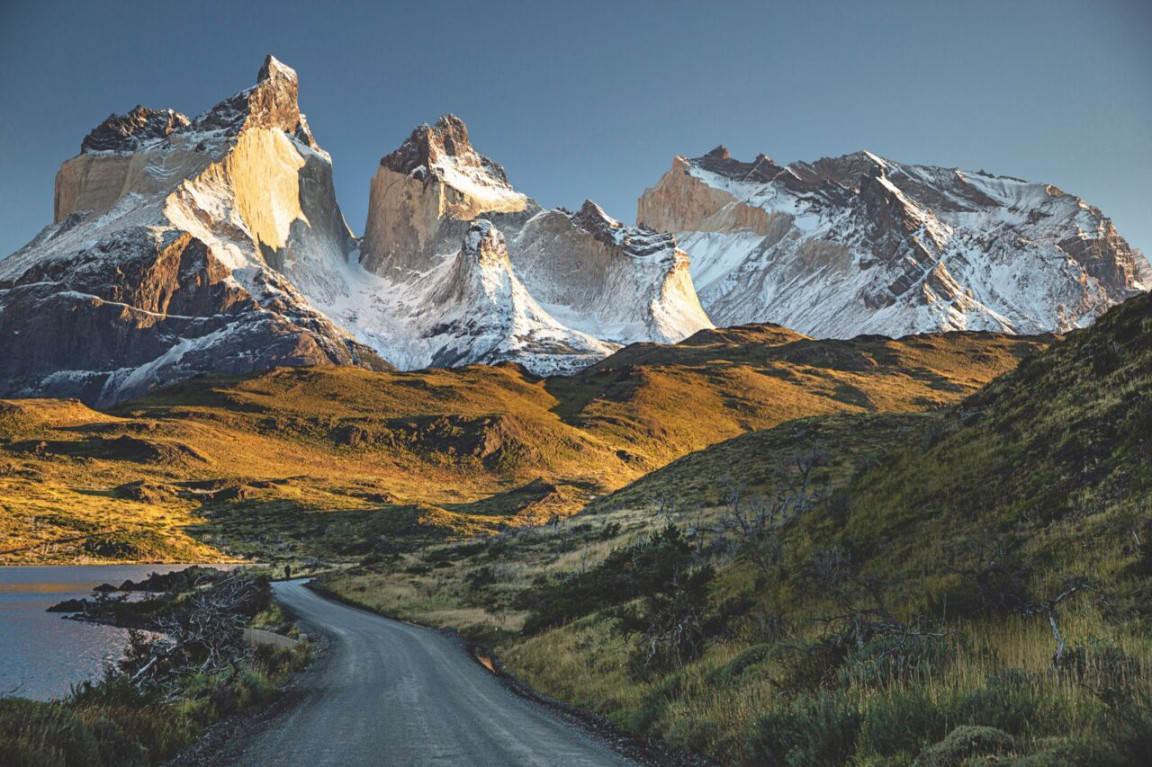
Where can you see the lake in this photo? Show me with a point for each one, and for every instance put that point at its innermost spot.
(42, 654)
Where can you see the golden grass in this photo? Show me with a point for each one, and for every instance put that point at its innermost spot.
(446, 452)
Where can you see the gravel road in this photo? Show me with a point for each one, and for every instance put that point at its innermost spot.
(387, 693)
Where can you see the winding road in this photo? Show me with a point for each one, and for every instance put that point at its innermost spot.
(388, 693)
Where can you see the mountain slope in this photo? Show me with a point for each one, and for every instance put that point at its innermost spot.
(487, 315)
(1051, 462)
(860, 244)
(338, 461)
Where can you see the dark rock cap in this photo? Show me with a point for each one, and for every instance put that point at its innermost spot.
(428, 144)
(125, 133)
(271, 103)
(720, 162)
(593, 218)
(632, 241)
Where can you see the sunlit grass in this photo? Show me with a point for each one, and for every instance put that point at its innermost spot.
(454, 452)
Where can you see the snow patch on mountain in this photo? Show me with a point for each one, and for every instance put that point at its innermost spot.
(616, 282)
(862, 244)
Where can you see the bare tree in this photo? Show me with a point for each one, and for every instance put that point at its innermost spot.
(1069, 589)
(798, 491)
(749, 527)
(205, 636)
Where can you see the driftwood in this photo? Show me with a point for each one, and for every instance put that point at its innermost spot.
(204, 635)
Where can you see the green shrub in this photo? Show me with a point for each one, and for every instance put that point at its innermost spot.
(667, 690)
(1060, 753)
(672, 623)
(901, 724)
(626, 574)
(813, 731)
(731, 671)
(155, 729)
(810, 666)
(891, 660)
(116, 746)
(1129, 726)
(1101, 667)
(1010, 701)
(481, 577)
(115, 689)
(967, 743)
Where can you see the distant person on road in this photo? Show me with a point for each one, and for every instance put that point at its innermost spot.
(287, 572)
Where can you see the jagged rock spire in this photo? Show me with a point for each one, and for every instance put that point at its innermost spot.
(271, 103)
(422, 194)
(484, 244)
(593, 218)
(275, 68)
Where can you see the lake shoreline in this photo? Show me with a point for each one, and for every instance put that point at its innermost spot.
(47, 653)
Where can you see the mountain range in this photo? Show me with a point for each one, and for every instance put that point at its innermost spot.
(183, 246)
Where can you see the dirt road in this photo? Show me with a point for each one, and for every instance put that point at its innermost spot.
(387, 693)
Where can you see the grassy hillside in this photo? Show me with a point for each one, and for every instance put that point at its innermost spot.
(337, 463)
(957, 587)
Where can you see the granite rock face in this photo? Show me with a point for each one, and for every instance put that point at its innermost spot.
(860, 244)
(181, 247)
(426, 193)
(613, 281)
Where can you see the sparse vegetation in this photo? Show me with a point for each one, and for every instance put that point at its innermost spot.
(342, 463)
(922, 587)
(189, 669)
(970, 585)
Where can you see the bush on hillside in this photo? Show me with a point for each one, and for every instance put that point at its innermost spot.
(626, 574)
(815, 731)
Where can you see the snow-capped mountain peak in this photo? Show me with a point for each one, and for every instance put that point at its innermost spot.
(274, 68)
(215, 245)
(860, 243)
(180, 247)
(271, 103)
(443, 152)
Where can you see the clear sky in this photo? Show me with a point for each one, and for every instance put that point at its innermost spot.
(589, 99)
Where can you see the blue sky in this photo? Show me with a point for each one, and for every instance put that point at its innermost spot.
(590, 99)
